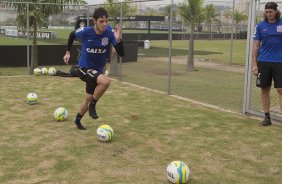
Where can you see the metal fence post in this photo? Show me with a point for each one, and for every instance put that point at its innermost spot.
(27, 37)
(232, 39)
(169, 50)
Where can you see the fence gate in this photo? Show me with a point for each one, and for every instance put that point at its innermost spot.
(252, 99)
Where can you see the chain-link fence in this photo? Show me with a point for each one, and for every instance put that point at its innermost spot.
(203, 61)
(252, 101)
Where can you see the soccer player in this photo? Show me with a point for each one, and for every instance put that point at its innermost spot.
(95, 44)
(267, 57)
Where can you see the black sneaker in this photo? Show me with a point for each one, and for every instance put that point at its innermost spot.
(92, 110)
(265, 122)
(79, 125)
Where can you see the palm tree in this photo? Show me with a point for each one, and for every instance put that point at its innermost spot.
(113, 7)
(238, 17)
(192, 12)
(209, 15)
(174, 11)
(37, 13)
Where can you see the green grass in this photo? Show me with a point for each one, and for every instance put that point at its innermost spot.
(209, 50)
(206, 84)
(150, 131)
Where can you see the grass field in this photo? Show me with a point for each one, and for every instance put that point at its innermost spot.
(151, 130)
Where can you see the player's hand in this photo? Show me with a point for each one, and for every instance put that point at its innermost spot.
(255, 70)
(117, 33)
(113, 50)
(67, 57)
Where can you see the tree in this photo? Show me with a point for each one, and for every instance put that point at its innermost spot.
(192, 12)
(174, 11)
(37, 14)
(238, 17)
(209, 15)
(113, 8)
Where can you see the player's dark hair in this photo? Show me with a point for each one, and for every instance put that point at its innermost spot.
(273, 6)
(100, 12)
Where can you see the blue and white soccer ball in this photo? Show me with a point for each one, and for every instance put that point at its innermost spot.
(177, 172)
(36, 71)
(52, 71)
(105, 133)
(61, 114)
(31, 98)
(44, 71)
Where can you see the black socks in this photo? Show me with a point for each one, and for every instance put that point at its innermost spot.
(267, 115)
(92, 109)
(78, 123)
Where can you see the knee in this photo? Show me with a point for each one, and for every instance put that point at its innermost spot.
(106, 82)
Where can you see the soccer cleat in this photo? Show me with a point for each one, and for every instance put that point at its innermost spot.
(265, 122)
(92, 110)
(79, 125)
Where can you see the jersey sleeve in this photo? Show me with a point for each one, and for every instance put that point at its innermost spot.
(112, 37)
(80, 32)
(257, 35)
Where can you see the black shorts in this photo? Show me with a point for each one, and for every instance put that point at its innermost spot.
(268, 71)
(89, 76)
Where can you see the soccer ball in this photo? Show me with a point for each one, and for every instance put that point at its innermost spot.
(44, 71)
(52, 71)
(177, 172)
(61, 114)
(36, 71)
(31, 98)
(105, 133)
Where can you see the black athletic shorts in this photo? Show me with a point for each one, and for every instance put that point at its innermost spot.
(268, 71)
(89, 76)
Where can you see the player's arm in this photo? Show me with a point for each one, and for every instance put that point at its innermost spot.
(70, 43)
(256, 46)
(119, 46)
(255, 51)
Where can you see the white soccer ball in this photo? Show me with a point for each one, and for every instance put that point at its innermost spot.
(105, 133)
(44, 71)
(61, 114)
(178, 172)
(31, 98)
(52, 71)
(36, 71)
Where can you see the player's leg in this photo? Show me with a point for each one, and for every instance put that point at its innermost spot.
(83, 109)
(277, 78)
(102, 85)
(279, 90)
(90, 88)
(265, 79)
